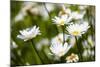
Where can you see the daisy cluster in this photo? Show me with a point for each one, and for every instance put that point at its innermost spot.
(59, 46)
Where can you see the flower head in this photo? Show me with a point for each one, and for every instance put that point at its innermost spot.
(58, 49)
(72, 58)
(29, 33)
(77, 29)
(61, 20)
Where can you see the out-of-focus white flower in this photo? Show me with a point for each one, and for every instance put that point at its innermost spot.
(29, 33)
(85, 53)
(64, 6)
(35, 11)
(88, 52)
(28, 3)
(72, 58)
(39, 46)
(76, 15)
(19, 52)
(90, 41)
(82, 7)
(85, 44)
(41, 43)
(19, 17)
(61, 20)
(27, 6)
(77, 29)
(44, 10)
(23, 12)
(59, 38)
(72, 14)
(44, 41)
(58, 49)
(27, 63)
(14, 45)
(50, 7)
(65, 10)
(92, 52)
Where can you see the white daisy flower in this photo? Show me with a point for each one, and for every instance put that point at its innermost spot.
(58, 49)
(72, 58)
(77, 29)
(61, 20)
(29, 33)
(64, 16)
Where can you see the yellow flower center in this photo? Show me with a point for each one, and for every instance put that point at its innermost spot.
(61, 22)
(71, 57)
(75, 33)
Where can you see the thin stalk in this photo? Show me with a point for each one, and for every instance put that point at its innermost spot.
(47, 10)
(63, 34)
(79, 50)
(37, 57)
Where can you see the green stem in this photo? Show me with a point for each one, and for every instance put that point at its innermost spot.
(79, 50)
(63, 34)
(47, 10)
(47, 59)
(36, 55)
(18, 58)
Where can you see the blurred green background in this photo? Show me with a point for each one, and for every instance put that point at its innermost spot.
(23, 16)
